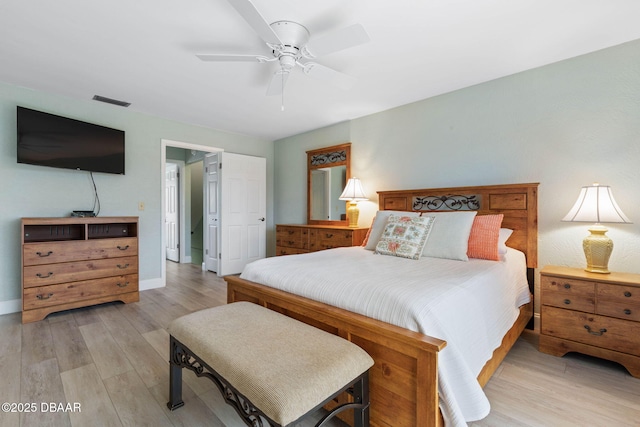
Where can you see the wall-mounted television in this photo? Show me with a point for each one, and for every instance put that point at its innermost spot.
(48, 140)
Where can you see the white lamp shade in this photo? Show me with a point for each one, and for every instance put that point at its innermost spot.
(596, 204)
(353, 191)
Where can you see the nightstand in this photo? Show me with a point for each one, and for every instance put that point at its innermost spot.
(590, 313)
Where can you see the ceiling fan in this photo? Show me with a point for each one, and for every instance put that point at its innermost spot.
(290, 46)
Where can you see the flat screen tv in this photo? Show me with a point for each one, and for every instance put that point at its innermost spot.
(48, 140)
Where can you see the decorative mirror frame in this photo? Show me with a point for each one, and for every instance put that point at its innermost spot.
(336, 155)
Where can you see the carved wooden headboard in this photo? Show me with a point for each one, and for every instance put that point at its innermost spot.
(517, 202)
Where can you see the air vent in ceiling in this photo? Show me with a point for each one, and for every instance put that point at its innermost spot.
(111, 101)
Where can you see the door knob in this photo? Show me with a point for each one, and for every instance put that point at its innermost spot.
(261, 219)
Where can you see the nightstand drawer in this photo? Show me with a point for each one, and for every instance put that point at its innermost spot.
(568, 293)
(605, 332)
(619, 301)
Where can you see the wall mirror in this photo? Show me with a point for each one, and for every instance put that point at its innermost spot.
(328, 170)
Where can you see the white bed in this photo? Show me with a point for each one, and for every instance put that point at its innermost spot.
(437, 327)
(469, 304)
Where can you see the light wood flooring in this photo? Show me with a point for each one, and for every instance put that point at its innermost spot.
(112, 359)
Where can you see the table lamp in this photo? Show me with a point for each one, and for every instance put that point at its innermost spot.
(596, 204)
(353, 193)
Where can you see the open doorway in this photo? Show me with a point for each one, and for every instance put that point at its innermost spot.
(189, 240)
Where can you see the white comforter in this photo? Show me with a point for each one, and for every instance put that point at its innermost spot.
(470, 304)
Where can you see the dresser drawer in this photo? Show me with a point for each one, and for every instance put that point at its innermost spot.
(600, 331)
(292, 237)
(46, 296)
(40, 275)
(54, 252)
(283, 250)
(568, 293)
(619, 301)
(330, 238)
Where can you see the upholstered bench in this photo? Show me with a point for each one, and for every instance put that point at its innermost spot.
(272, 369)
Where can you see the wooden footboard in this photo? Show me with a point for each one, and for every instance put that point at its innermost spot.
(404, 380)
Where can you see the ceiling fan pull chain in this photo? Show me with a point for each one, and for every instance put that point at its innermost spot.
(282, 99)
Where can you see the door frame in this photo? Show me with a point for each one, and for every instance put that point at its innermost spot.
(164, 143)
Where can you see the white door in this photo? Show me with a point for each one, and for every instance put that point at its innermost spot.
(242, 211)
(211, 205)
(171, 213)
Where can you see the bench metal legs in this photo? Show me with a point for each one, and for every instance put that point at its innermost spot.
(359, 389)
(361, 395)
(181, 357)
(175, 376)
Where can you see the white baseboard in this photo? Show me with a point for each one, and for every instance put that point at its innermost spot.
(145, 285)
(12, 306)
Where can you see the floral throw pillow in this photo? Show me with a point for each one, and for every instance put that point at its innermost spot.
(404, 236)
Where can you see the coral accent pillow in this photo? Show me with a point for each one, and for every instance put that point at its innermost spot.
(484, 236)
(404, 236)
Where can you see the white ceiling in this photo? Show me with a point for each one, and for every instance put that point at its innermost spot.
(143, 52)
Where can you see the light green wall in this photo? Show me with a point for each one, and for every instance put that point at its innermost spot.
(291, 170)
(31, 191)
(564, 125)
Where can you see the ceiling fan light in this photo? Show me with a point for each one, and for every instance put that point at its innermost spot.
(287, 62)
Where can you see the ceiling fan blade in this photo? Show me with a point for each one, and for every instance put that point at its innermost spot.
(341, 80)
(248, 11)
(338, 40)
(277, 83)
(213, 57)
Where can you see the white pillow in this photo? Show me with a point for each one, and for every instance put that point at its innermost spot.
(449, 236)
(379, 223)
(504, 235)
(404, 236)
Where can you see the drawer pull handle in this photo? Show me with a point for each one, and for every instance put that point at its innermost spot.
(567, 301)
(120, 285)
(567, 286)
(599, 333)
(123, 248)
(122, 267)
(627, 311)
(41, 255)
(329, 235)
(41, 276)
(43, 296)
(627, 294)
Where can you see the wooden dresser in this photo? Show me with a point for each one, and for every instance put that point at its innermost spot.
(590, 313)
(75, 262)
(300, 239)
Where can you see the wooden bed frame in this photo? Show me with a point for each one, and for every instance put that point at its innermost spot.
(404, 380)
